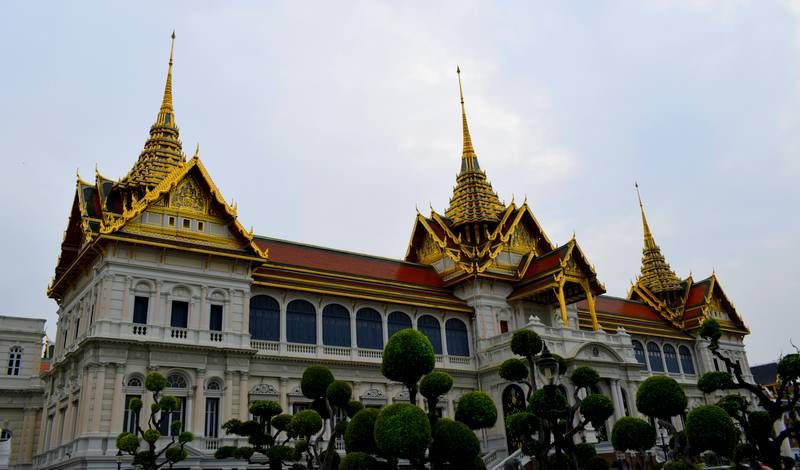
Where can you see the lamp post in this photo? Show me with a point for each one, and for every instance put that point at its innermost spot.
(548, 365)
(662, 431)
(119, 459)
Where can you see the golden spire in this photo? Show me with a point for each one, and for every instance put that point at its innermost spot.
(656, 274)
(162, 152)
(473, 200)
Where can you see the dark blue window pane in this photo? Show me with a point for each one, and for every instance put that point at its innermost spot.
(398, 321)
(638, 351)
(671, 358)
(369, 329)
(429, 326)
(180, 314)
(654, 354)
(335, 326)
(456, 333)
(215, 319)
(686, 360)
(265, 318)
(140, 309)
(301, 322)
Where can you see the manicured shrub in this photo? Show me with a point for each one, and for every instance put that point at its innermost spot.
(408, 355)
(596, 408)
(127, 442)
(661, 397)
(402, 430)
(522, 424)
(710, 330)
(760, 424)
(155, 382)
(339, 393)
(548, 399)
(281, 421)
(358, 461)
(632, 434)
(435, 384)
(733, 404)
(526, 343)
(315, 381)
(265, 408)
(584, 377)
(710, 428)
(712, 381)
(306, 423)
(176, 454)
(454, 442)
(789, 367)
(583, 453)
(677, 465)
(359, 436)
(513, 370)
(168, 403)
(354, 407)
(151, 435)
(476, 410)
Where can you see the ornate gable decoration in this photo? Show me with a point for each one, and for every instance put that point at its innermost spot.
(188, 196)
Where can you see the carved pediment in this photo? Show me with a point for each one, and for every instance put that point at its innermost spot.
(264, 389)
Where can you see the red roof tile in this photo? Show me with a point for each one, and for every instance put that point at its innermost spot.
(326, 259)
(622, 307)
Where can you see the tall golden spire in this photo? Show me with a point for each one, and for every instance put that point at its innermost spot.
(162, 152)
(656, 274)
(474, 200)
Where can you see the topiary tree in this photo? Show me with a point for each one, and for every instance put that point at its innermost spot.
(661, 397)
(152, 457)
(407, 357)
(633, 434)
(765, 445)
(403, 431)
(709, 427)
(550, 422)
(358, 461)
(433, 386)
(454, 442)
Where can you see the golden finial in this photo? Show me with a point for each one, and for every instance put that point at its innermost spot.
(197, 151)
(470, 160)
(78, 172)
(656, 274)
(648, 237)
(166, 115)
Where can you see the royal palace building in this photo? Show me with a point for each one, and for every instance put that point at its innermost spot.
(156, 273)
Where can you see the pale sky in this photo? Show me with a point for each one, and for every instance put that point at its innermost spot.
(329, 122)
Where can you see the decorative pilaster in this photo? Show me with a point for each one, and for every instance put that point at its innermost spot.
(243, 404)
(117, 406)
(198, 409)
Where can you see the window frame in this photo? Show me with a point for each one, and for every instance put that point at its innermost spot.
(172, 312)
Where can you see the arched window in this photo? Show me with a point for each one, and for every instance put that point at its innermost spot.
(14, 360)
(654, 355)
(135, 381)
(671, 358)
(265, 318)
(638, 351)
(178, 385)
(301, 322)
(214, 386)
(335, 326)
(398, 321)
(686, 360)
(176, 380)
(369, 329)
(429, 326)
(455, 332)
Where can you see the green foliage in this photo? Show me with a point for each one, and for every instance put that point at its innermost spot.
(339, 393)
(526, 343)
(281, 421)
(596, 463)
(340, 428)
(151, 435)
(265, 408)
(306, 423)
(522, 424)
(583, 453)
(596, 408)
(300, 446)
(454, 442)
(712, 381)
(711, 330)
(733, 404)
(282, 453)
(358, 461)
(225, 452)
(632, 434)
(402, 430)
(359, 436)
(584, 377)
(514, 370)
(176, 427)
(315, 381)
(354, 407)
(476, 410)
(435, 384)
(789, 367)
(176, 454)
(760, 423)
(127, 442)
(661, 397)
(155, 382)
(408, 356)
(185, 437)
(168, 403)
(135, 404)
(677, 465)
(548, 402)
(710, 428)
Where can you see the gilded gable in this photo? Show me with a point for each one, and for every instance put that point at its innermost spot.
(188, 196)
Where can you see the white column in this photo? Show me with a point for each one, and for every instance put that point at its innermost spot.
(243, 404)
(198, 423)
(616, 395)
(227, 397)
(117, 403)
